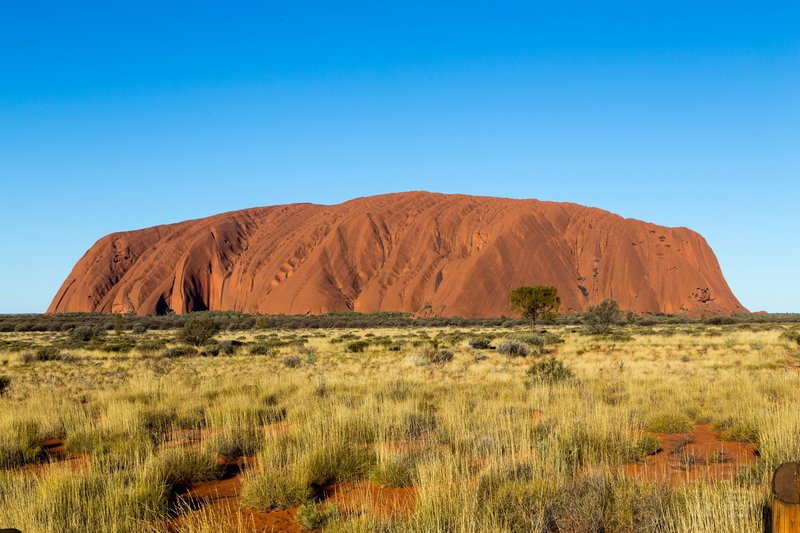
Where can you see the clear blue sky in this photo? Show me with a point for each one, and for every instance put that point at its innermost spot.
(121, 115)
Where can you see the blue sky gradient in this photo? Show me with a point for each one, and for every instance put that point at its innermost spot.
(118, 116)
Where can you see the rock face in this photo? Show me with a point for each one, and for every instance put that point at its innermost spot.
(419, 252)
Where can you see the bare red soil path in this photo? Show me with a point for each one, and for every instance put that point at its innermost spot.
(697, 456)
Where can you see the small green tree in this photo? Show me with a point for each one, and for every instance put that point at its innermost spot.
(533, 303)
(602, 316)
(85, 333)
(198, 331)
(119, 323)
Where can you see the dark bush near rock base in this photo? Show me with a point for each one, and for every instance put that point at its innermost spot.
(198, 331)
(513, 348)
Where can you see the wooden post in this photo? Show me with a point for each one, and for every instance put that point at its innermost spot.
(786, 498)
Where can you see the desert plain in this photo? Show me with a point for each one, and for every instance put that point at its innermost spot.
(661, 424)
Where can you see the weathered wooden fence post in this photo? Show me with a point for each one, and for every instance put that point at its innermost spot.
(786, 498)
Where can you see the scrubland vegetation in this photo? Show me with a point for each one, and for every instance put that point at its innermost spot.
(478, 427)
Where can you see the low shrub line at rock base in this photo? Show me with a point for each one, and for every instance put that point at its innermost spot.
(231, 320)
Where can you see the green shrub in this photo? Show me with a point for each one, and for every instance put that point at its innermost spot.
(121, 452)
(604, 503)
(583, 446)
(150, 345)
(647, 445)
(396, 471)
(85, 439)
(222, 348)
(90, 501)
(21, 444)
(335, 463)
(178, 467)
(517, 504)
(531, 339)
(234, 443)
(210, 351)
(668, 422)
(269, 414)
(437, 356)
(280, 452)
(190, 417)
(420, 421)
(311, 357)
(42, 354)
(345, 337)
(602, 316)
(480, 343)
(292, 361)
(312, 515)
(47, 353)
(737, 430)
(198, 331)
(548, 371)
(539, 340)
(513, 348)
(791, 336)
(156, 420)
(123, 346)
(720, 320)
(578, 506)
(85, 334)
(179, 351)
(538, 302)
(273, 490)
(357, 346)
(619, 336)
(261, 349)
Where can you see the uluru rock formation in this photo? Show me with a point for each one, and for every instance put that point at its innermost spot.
(419, 252)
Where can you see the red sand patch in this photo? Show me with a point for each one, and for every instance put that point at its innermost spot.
(696, 456)
(365, 497)
(57, 457)
(228, 512)
(220, 499)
